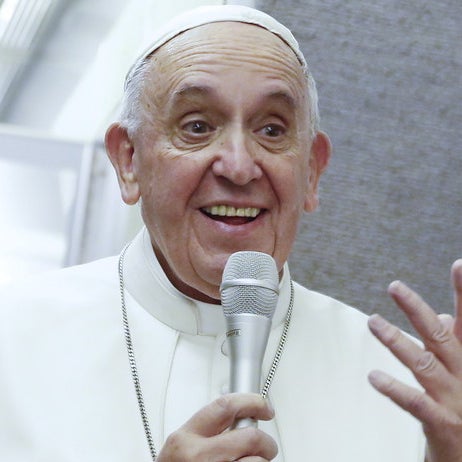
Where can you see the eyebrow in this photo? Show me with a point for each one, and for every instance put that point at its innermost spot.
(191, 91)
(281, 95)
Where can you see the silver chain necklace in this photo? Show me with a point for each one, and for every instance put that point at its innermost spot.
(134, 369)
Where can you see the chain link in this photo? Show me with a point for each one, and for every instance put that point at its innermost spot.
(131, 359)
(134, 368)
(281, 345)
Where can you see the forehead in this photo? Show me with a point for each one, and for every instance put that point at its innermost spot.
(225, 47)
(229, 35)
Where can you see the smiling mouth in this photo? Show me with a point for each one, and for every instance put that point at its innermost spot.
(227, 213)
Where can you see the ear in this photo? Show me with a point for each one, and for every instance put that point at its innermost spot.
(321, 149)
(120, 151)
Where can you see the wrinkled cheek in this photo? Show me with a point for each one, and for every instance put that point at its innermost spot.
(287, 228)
(156, 214)
(169, 239)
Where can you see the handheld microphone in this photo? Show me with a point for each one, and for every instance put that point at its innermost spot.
(249, 295)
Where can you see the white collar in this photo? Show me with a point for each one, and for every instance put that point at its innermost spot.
(147, 283)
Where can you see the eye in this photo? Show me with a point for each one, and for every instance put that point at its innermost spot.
(273, 130)
(197, 127)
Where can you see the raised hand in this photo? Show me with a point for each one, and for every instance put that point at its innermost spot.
(205, 437)
(437, 366)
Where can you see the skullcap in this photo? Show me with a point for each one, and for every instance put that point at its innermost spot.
(217, 13)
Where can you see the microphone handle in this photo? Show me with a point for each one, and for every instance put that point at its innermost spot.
(247, 336)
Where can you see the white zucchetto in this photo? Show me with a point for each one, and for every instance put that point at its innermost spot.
(218, 13)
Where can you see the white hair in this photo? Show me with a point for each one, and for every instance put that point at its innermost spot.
(133, 113)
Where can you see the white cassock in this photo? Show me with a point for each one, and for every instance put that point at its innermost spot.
(66, 392)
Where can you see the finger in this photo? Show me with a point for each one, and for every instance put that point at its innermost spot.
(456, 276)
(427, 369)
(244, 442)
(419, 404)
(436, 337)
(221, 413)
(253, 459)
(447, 321)
(228, 446)
(441, 425)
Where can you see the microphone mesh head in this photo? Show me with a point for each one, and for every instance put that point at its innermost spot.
(240, 296)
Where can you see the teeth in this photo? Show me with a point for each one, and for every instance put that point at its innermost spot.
(228, 211)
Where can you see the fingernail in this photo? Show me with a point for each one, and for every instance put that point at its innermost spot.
(395, 286)
(376, 322)
(378, 379)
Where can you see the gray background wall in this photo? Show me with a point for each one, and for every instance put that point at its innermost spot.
(389, 75)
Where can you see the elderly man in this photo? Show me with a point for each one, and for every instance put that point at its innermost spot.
(219, 140)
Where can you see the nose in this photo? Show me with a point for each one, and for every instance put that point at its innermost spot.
(235, 161)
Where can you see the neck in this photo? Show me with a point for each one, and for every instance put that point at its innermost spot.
(181, 285)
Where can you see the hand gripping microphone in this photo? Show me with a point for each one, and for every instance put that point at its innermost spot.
(249, 294)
